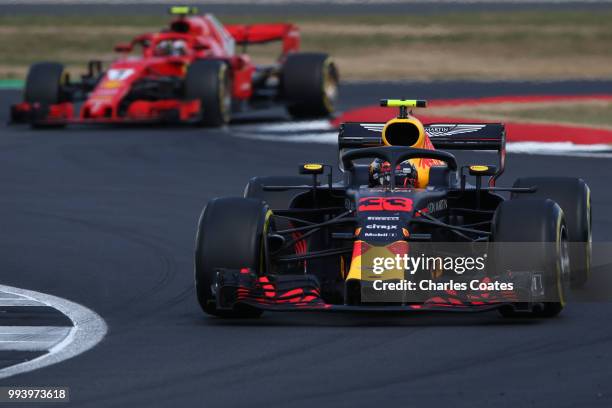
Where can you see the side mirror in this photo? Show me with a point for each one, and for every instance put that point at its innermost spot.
(126, 47)
(315, 169)
(311, 168)
(482, 170)
(478, 170)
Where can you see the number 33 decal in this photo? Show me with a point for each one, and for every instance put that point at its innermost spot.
(385, 204)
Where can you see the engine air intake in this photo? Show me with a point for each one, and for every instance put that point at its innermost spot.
(402, 133)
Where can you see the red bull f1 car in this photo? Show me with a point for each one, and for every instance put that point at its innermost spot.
(190, 71)
(306, 242)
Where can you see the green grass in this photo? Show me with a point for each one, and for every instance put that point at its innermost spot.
(11, 84)
(522, 44)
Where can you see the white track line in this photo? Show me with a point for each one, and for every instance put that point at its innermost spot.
(19, 302)
(4, 295)
(31, 338)
(88, 330)
(311, 125)
(324, 138)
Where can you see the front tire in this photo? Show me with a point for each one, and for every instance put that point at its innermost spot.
(230, 234)
(43, 86)
(574, 197)
(209, 81)
(540, 224)
(43, 83)
(309, 84)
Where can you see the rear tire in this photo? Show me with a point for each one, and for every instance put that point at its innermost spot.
(230, 233)
(574, 197)
(540, 223)
(309, 85)
(209, 81)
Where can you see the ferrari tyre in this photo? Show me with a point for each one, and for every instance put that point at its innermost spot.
(209, 82)
(309, 83)
(230, 233)
(43, 83)
(574, 197)
(541, 225)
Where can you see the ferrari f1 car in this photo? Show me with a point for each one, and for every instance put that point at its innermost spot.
(188, 72)
(308, 243)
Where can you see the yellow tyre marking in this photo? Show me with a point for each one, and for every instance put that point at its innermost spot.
(328, 85)
(559, 278)
(222, 91)
(589, 242)
(264, 235)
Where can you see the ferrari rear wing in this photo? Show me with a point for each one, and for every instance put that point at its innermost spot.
(443, 136)
(263, 33)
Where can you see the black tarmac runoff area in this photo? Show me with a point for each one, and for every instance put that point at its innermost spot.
(106, 217)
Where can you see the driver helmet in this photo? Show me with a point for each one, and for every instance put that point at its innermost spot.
(406, 174)
(163, 48)
(179, 48)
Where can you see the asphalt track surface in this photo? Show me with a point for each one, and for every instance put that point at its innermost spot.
(106, 217)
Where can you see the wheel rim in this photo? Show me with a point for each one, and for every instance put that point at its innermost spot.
(330, 85)
(225, 95)
(589, 246)
(564, 265)
(263, 262)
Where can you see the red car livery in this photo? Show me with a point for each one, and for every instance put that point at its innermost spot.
(191, 71)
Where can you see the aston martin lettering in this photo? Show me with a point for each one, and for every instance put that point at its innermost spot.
(437, 206)
(449, 129)
(373, 127)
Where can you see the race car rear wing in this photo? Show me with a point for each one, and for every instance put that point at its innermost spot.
(264, 33)
(444, 136)
(447, 136)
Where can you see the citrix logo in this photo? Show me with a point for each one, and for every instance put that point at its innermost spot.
(381, 227)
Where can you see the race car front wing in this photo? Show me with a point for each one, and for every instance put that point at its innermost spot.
(138, 112)
(239, 287)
